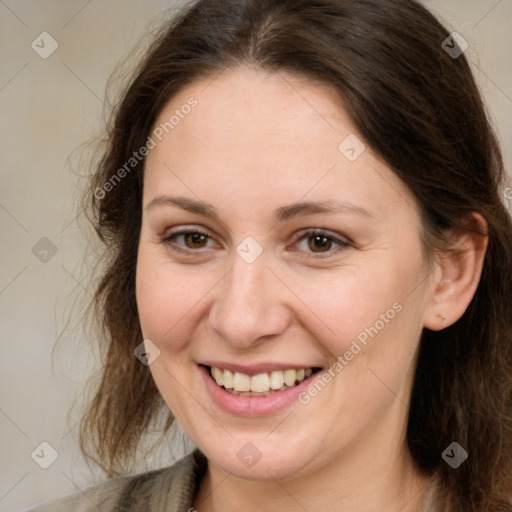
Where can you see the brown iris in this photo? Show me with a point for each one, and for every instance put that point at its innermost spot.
(196, 239)
(319, 242)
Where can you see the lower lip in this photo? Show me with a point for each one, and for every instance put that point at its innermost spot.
(253, 405)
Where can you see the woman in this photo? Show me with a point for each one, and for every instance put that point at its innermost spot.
(301, 209)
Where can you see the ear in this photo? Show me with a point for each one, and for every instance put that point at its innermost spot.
(457, 275)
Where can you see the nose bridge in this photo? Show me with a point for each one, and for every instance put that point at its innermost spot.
(249, 304)
(243, 283)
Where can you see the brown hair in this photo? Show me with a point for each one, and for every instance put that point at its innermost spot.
(420, 110)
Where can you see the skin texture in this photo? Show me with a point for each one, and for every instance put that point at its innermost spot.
(256, 142)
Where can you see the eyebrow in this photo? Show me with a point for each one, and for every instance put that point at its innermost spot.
(282, 214)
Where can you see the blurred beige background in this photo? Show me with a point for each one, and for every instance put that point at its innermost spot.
(49, 107)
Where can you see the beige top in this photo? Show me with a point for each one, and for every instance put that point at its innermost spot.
(170, 489)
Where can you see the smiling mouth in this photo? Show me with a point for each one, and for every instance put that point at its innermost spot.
(261, 384)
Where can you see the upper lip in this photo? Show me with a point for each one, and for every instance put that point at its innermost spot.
(254, 369)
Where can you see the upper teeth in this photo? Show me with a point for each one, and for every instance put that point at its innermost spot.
(261, 382)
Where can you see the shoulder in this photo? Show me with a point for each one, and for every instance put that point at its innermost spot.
(170, 488)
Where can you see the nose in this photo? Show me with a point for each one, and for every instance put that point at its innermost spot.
(250, 305)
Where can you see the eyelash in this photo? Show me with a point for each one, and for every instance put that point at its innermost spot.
(168, 240)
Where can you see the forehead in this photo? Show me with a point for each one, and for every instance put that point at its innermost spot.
(253, 133)
(257, 103)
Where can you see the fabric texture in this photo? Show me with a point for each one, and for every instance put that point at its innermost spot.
(170, 489)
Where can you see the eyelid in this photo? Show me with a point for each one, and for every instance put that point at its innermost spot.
(302, 234)
(337, 239)
(342, 239)
(192, 228)
(185, 230)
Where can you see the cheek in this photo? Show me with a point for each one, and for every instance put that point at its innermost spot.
(172, 298)
(370, 320)
(165, 298)
(346, 305)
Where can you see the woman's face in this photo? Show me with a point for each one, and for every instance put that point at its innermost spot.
(257, 166)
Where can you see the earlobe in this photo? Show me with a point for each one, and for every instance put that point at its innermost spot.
(458, 274)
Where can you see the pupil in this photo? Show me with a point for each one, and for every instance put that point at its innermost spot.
(319, 242)
(196, 238)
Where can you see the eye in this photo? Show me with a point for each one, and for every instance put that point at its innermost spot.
(319, 243)
(191, 238)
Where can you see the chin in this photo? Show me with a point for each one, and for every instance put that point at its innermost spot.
(256, 458)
